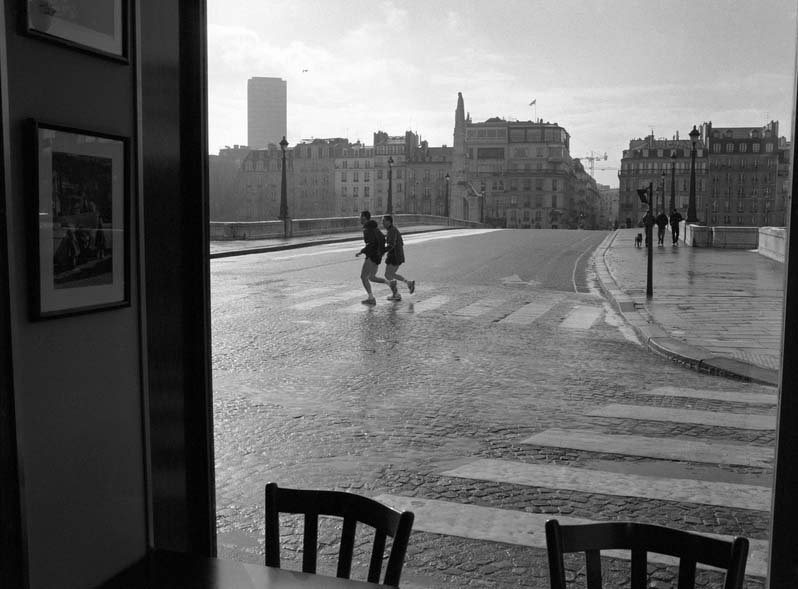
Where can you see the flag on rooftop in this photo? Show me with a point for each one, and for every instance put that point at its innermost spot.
(534, 101)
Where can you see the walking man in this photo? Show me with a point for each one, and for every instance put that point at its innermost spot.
(662, 222)
(373, 250)
(395, 257)
(675, 219)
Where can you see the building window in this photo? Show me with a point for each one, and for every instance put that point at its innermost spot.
(365, 192)
(343, 176)
(379, 174)
(344, 164)
(743, 147)
(554, 185)
(554, 201)
(366, 176)
(355, 176)
(768, 148)
(355, 191)
(755, 148)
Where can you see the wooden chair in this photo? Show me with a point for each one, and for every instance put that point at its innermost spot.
(353, 509)
(688, 547)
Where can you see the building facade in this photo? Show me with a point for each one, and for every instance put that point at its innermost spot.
(267, 111)
(663, 164)
(744, 184)
(739, 179)
(355, 178)
(428, 181)
(519, 174)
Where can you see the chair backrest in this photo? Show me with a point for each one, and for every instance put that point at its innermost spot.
(354, 509)
(690, 548)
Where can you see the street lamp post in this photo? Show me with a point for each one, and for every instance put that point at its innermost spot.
(389, 208)
(662, 193)
(446, 202)
(691, 214)
(284, 196)
(673, 181)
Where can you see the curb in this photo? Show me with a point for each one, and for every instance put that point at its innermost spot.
(289, 246)
(658, 340)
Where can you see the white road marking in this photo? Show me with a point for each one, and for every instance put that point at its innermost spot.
(613, 483)
(581, 318)
(521, 528)
(479, 308)
(528, 313)
(355, 246)
(312, 304)
(755, 398)
(416, 307)
(714, 418)
(693, 450)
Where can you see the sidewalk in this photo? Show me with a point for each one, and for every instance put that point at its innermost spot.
(224, 249)
(717, 310)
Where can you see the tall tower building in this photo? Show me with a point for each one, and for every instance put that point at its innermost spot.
(267, 106)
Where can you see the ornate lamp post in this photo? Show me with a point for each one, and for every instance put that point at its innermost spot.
(389, 207)
(691, 214)
(284, 197)
(673, 182)
(662, 192)
(446, 202)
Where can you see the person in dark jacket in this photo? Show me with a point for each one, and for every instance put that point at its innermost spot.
(675, 219)
(662, 222)
(373, 250)
(395, 256)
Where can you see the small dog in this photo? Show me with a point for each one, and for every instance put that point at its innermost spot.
(639, 240)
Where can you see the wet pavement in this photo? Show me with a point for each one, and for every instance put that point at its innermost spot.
(717, 310)
(486, 410)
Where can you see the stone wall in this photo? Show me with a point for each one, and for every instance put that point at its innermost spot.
(221, 231)
(772, 242)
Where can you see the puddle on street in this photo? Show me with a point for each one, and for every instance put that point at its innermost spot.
(681, 470)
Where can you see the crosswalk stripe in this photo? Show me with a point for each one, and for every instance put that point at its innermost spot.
(312, 304)
(299, 291)
(714, 418)
(581, 318)
(478, 308)
(755, 398)
(517, 527)
(425, 305)
(662, 448)
(613, 483)
(528, 313)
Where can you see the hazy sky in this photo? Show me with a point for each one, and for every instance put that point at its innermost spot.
(606, 70)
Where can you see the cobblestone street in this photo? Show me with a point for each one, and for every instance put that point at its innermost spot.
(430, 405)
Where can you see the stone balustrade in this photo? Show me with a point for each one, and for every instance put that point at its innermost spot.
(235, 230)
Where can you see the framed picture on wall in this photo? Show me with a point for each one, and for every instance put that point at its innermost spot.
(99, 26)
(80, 228)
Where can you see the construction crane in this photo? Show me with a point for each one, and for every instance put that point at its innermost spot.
(593, 158)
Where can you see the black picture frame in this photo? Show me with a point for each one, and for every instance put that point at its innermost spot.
(80, 221)
(95, 26)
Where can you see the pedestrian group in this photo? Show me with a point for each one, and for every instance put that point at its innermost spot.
(376, 246)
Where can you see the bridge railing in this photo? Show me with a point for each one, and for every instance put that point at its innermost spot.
(230, 230)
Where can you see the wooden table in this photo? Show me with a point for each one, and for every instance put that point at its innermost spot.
(162, 569)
